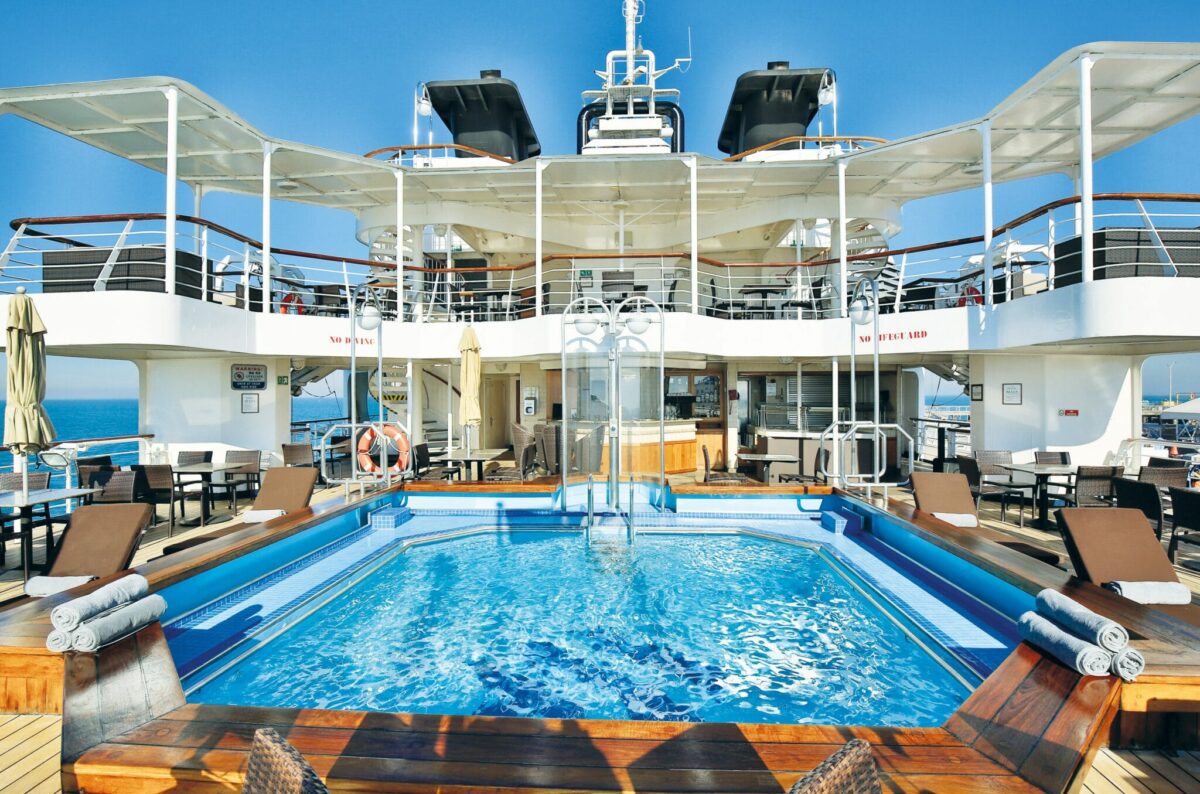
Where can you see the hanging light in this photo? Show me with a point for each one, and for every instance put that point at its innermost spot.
(639, 323)
(585, 325)
(370, 317)
(861, 311)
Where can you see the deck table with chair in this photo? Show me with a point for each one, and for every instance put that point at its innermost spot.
(205, 472)
(1042, 473)
(479, 457)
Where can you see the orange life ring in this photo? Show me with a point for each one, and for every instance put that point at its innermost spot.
(368, 439)
(970, 295)
(292, 303)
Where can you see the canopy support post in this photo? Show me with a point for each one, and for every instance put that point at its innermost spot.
(400, 251)
(693, 170)
(985, 136)
(537, 238)
(172, 182)
(842, 264)
(1085, 168)
(268, 150)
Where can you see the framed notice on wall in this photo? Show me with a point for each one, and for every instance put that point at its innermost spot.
(248, 377)
(250, 403)
(1011, 394)
(976, 392)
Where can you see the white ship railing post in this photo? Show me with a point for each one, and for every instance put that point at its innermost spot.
(1085, 167)
(693, 170)
(842, 266)
(836, 452)
(172, 178)
(537, 237)
(399, 242)
(268, 149)
(985, 140)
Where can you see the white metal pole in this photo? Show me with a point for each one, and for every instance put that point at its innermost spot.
(1085, 165)
(985, 135)
(400, 246)
(836, 441)
(268, 150)
(694, 236)
(620, 237)
(172, 183)
(197, 210)
(410, 393)
(353, 385)
(383, 444)
(449, 268)
(450, 406)
(537, 238)
(875, 363)
(842, 265)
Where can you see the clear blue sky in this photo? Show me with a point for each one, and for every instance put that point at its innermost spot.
(342, 75)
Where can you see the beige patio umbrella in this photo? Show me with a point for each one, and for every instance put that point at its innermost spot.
(468, 383)
(27, 429)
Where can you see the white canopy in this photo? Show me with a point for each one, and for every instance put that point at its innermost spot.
(1183, 411)
(1138, 88)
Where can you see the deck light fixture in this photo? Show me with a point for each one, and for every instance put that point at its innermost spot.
(639, 323)
(585, 325)
(370, 317)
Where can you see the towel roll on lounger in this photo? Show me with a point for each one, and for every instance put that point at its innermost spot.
(58, 641)
(68, 616)
(1128, 664)
(1152, 592)
(1078, 654)
(965, 520)
(1081, 621)
(114, 625)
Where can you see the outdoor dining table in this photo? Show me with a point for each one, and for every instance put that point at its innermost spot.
(476, 456)
(766, 459)
(1042, 472)
(206, 471)
(764, 291)
(13, 500)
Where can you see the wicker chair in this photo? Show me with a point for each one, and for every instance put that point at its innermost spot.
(275, 767)
(191, 485)
(1164, 476)
(721, 477)
(523, 437)
(991, 468)
(248, 476)
(516, 473)
(158, 487)
(38, 480)
(1094, 485)
(822, 462)
(550, 446)
(851, 770)
(1143, 496)
(973, 471)
(423, 468)
(1044, 457)
(116, 487)
(298, 455)
(1169, 463)
(1185, 520)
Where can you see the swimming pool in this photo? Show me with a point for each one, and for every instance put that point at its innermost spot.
(708, 616)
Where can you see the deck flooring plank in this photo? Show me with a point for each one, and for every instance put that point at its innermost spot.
(1163, 767)
(1119, 774)
(30, 728)
(44, 776)
(1154, 777)
(1097, 783)
(32, 758)
(51, 785)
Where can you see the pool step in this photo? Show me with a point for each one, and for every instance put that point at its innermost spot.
(390, 518)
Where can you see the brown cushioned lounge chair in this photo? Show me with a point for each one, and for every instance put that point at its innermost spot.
(945, 492)
(100, 540)
(1119, 544)
(288, 489)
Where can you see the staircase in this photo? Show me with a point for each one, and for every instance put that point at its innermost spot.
(395, 399)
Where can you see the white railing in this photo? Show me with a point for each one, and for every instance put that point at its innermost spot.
(1136, 234)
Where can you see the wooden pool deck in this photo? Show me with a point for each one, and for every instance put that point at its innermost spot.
(202, 748)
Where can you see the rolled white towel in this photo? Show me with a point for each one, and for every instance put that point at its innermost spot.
(1081, 621)
(1153, 592)
(58, 641)
(112, 626)
(958, 519)
(1128, 664)
(1085, 658)
(42, 586)
(68, 616)
(259, 516)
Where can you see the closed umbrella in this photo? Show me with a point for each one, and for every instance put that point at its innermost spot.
(468, 383)
(27, 429)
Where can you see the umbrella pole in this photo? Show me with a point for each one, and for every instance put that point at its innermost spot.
(25, 479)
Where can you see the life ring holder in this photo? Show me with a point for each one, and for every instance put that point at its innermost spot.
(292, 303)
(970, 296)
(368, 439)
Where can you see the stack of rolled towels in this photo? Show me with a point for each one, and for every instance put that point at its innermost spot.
(105, 615)
(1079, 638)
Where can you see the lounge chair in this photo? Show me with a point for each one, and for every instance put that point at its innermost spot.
(1119, 545)
(275, 767)
(851, 770)
(950, 493)
(285, 489)
(100, 540)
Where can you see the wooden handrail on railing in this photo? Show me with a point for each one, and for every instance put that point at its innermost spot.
(595, 255)
(421, 147)
(803, 139)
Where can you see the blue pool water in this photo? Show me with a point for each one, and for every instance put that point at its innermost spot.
(538, 624)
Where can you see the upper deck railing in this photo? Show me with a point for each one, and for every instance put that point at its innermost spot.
(1136, 234)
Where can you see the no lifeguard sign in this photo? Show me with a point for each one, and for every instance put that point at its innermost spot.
(248, 377)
